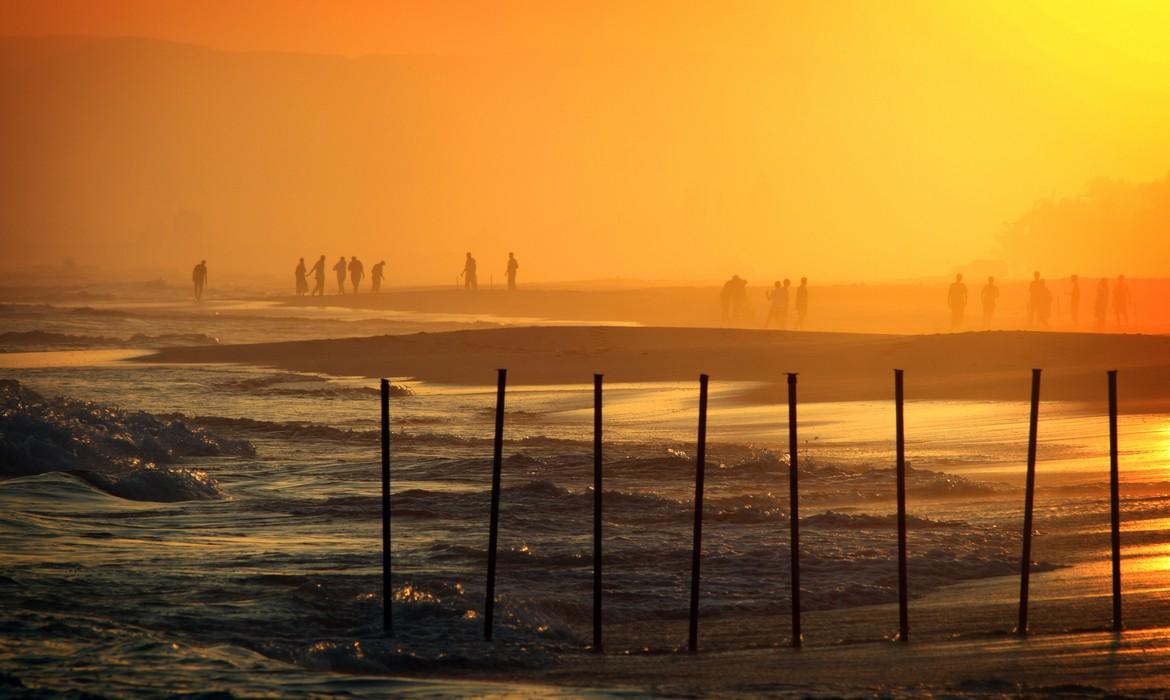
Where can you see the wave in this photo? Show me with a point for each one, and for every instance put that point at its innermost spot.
(153, 483)
(121, 452)
(308, 385)
(44, 340)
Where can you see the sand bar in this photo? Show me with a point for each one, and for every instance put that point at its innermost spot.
(832, 366)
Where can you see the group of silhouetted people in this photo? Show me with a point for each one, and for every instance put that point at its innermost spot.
(471, 278)
(778, 303)
(355, 271)
(353, 268)
(733, 300)
(1040, 301)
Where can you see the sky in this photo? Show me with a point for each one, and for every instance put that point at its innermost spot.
(844, 141)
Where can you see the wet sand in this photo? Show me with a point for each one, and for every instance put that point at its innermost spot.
(832, 366)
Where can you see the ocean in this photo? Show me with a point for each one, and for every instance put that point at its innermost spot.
(214, 530)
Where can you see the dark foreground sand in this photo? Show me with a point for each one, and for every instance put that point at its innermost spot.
(832, 366)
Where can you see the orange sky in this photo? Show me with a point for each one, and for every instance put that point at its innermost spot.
(844, 141)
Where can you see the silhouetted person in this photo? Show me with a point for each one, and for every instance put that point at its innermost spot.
(301, 280)
(510, 272)
(801, 302)
(989, 297)
(1034, 295)
(725, 295)
(778, 310)
(356, 272)
(319, 277)
(734, 297)
(1121, 301)
(199, 277)
(340, 269)
(1043, 303)
(1101, 305)
(1074, 301)
(470, 280)
(957, 301)
(376, 274)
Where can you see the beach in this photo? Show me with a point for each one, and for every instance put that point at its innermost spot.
(832, 366)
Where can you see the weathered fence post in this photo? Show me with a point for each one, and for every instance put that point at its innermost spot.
(1029, 497)
(794, 510)
(697, 545)
(494, 525)
(900, 439)
(387, 586)
(597, 513)
(1114, 501)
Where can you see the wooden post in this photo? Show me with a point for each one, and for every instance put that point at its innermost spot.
(794, 510)
(387, 586)
(494, 525)
(900, 439)
(1115, 501)
(697, 545)
(597, 513)
(1029, 497)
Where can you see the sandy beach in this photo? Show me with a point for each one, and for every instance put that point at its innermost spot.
(832, 366)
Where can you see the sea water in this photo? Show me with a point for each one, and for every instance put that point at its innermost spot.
(184, 529)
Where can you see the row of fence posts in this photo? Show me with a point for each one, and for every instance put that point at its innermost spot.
(793, 521)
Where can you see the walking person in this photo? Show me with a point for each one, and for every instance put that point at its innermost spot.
(778, 310)
(801, 302)
(1074, 301)
(1035, 292)
(376, 274)
(1043, 305)
(356, 272)
(319, 277)
(989, 297)
(1101, 305)
(199, 278)
(1121, 301)
(470, 281)
(340, 269)
(957, 301)
(510, 272)
(302, 282)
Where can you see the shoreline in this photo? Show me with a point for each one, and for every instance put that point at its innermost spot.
(985, 365)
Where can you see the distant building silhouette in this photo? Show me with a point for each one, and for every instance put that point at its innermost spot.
(340, 269)
(199, 278)
(377, 272)
(510, 271)
(470, 280)
(301, 279)
(356, 272)
(957, 301)
(319, 276)
(801, 302)
(778, 309)
(989, 297)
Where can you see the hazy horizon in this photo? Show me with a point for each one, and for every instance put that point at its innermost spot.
(730, 140)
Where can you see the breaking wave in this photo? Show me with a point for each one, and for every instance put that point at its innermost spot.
(121, 452)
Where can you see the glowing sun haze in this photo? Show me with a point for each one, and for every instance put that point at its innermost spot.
(668, 140)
